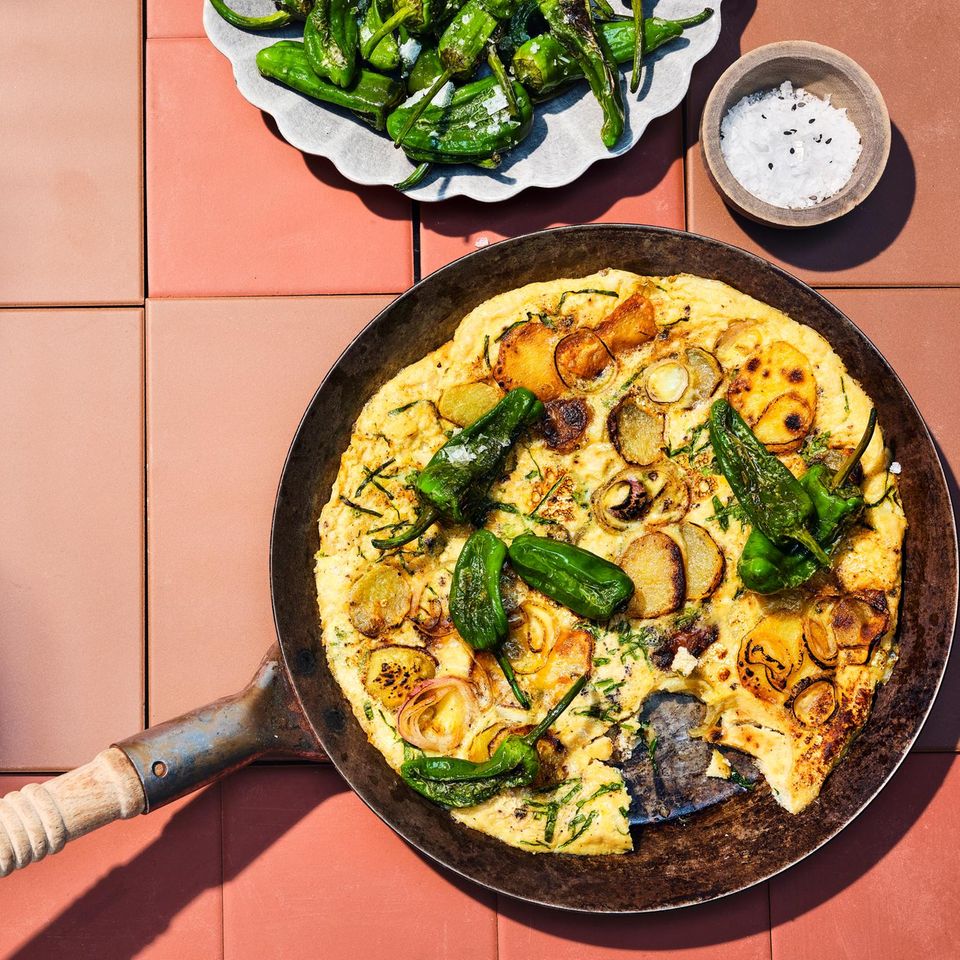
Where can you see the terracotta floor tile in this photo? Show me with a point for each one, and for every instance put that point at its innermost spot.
(71, 162)
(182, 18)
(903, 233)
(643, 186)
(71, 529)
(232, 209)
(887, 887)
(736, 928)
(309, 871)
(916, 330)
(227, 383)
(143, 889)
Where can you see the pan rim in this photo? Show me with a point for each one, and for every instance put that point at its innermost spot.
(806, 290)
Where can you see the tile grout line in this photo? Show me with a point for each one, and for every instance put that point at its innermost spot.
(415, 226)
(145, 395)
(683, 159)
(769, 918)
(223, 921)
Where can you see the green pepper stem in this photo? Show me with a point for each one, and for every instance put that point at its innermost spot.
(551, 718)
(702, 17)
(607, 12)
(511, 679)
(418, 174)
(806, 539)
(500, 72)
(843, 474)
(639, 45)
(418, 108)
(279, 19)
(388, 26)
(425, 519)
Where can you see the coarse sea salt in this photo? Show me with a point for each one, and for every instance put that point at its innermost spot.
(409, 52)
(788, 147)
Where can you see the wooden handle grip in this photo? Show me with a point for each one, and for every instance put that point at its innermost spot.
(42, 817)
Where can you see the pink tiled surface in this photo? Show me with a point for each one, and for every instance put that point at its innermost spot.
(233, 210)
(141, 449)
(643, 186)
(71, 533)
(70, 168)
(308, 867)
(227, 383)
(148, 888)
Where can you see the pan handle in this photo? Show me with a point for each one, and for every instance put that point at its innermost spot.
(156, 766)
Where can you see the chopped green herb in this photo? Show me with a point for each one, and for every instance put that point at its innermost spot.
(610, 787)
(548, 495)
(570, 293)
(356, 506)
(550, 810)
(691, 448)
(687, 618)
(740, 780)
(371, 477)
(579, 825)
(723, 513)
(634, 644)
(846, 399)
(606, 687)
(601, 661)
(368, 710)
(652, 749)
(486, 350)
(598, 711)
(509, 327)
(403, 409)
(514, 509)
(814, 446)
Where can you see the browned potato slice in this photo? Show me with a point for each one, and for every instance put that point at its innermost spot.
(771, 372)
(815, 701)
(784, 424)
(526, 360)
(466, 402)
(704, 561)
(570, 658)
(655, 565)
(565, 423)
(705, 377)
(393, 671)
(668, 491)
(737, 342)
(583, 362)
(636, 433)
(631, 324)
(379, 599)
(770, 655)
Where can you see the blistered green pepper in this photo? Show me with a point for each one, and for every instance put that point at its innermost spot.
(572, 24)
(544, 66)
(767, 568)
(460, 47)
(475, 127)
(331, 40)
(452, 782)
(771, 496)
(589, 585)
(287, 11)
(476, 606)
(372, 95)
(386, 54)
(454, 484)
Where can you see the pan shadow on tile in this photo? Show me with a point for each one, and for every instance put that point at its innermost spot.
(119, 895)
(861, 235)
(383, 201)
(734, 918)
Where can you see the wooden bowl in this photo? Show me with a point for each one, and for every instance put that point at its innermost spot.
(820, 70)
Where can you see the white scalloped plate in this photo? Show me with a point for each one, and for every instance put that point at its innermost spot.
(564, 141)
